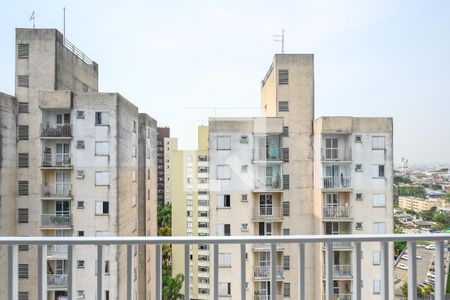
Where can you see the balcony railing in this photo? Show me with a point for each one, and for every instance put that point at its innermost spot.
(268, 154)
(263, 272)
(57, 280)
(384, 241)
(59, 190)
(62, 131)
(269, 182)
(62, 160)
(337, 182)
(341, 245)
(57, 250)
(264, 296)
(56, 221)
(336, 154)
(336, 212)
(267, 213)
(340, 271)
(339, 297)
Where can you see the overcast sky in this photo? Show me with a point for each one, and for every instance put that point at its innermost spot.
(182, 61)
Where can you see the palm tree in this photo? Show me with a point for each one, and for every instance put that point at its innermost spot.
(172, 286)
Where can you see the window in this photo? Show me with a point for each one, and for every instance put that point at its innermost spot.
(286, 289)
(133, 175)
(244, 197)
(23, 160)
(23, 133)
(133, 151)
(286, 231)
(244, 168)
(376, 257)
(358, 168)
(244, 139)
(223, 201)
(359, 225)
(106, 266)
(379, 200)
(286, 262)
(80, 233)
(23, 247)
(223, 172)
(358, 139)
(377, 286)
(102, 178)
(80, 263)
(101, 148)
(285, 131)
(23, 188)
(80, 174)
(23, 295)
(377, 171)
(134, 126)
(80, 144)
(244, 227)
(107, 295)
(283, 76)
(23, 80)
(148, 153)
(359, 196)
(379, 227)
(101, 207)
(23, 271)
(285, 182)
(84, 87)
(283, 106)
(148, 194)
(224, 260)
(80, 204)
(286, 209)
(286, 154)
(80, 294)
(133, 200)
(224, 142)
(101, 118)
(80, 114)
(22, 107)
(224, 288)
(23, 51)
(223, 229)
(378, 143)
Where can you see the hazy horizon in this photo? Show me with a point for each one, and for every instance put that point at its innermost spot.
(182, 61)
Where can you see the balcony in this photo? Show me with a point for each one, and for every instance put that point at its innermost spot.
(264, 272)
(52, 221)
(58, 132)
(267, 214)
(260, 247)
(267, 154)
(341, 246)
(336, 212)
(339, 297)
(57, 191)
(336, 183)
(57, 251)
(299, 242)
(56, 161)
(336, 154)
(268, 177)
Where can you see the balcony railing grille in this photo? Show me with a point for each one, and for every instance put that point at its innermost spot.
(57, 160)
(337, 182)
(57, 131)
(56, 221)
(336, 212)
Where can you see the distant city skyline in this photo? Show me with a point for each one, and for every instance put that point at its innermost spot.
(184, 61)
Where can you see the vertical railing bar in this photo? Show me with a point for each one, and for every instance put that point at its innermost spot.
(40, 268)
(301, 271)
(412, 271)
(384, 246)
(243, 279)
(158, 272)
(357, 271)
(129, 272)
(216, 271)
(13, 274)
(70, 272)
(440, 271)
(273, 266)
(187, 272)
(329, 271)
(99, 272)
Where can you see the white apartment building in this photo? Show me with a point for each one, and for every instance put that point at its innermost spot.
(78, 155)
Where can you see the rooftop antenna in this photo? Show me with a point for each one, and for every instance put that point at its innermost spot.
(279, 38)
(64, 22)
(33, 17)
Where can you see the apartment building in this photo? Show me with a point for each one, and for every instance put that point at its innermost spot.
(420, 204)
(80, 158)
(288, 174)
(170, 145)
(189, 187)
(163, 132)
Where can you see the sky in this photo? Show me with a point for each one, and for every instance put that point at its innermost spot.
(182, 61)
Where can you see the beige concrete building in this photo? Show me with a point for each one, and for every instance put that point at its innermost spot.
(86, 166)
(189, 188)
(420, 204)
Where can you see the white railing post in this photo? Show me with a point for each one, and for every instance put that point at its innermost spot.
(158, 272)
(357, 271)
(13, 272)
(273, 276)
(129, 272)
(385, 269)
(440, 271)
(42, 272)
(243, 279)
(216, 271)
(99, 272)
(186, 271)
(329, 271)
(412, 271)
(301, 271)
(70, 268)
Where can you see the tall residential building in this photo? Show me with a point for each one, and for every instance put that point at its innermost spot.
(170, 145)
(190, 212)
(165, 145)
(81, 156)
(286, 174)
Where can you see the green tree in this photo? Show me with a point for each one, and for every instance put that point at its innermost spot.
(411, 190)
(428, 215)
(164, 215)
(442, 219)
(402, 179)
(172, 286)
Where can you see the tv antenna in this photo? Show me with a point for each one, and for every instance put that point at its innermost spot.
(33, 18)
(279, 38)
